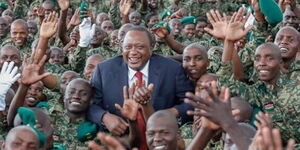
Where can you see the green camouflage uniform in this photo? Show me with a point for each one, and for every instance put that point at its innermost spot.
(5, 38)
(24, 49)
(20, 9)
(162, 49)
(104, 51)
(196, 9)
(99, 6)
(214, 58)
(294, 71)
(3, 128)
(66, 132)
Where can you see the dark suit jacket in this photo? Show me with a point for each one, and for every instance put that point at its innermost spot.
(170, 85)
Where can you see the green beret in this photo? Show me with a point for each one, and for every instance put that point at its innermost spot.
(162, 24)
(3, 5)
(86, 131)
(58, 146)
(188, 20)
(271, 11)
(43, 105)
(165, 14)
(28, 117)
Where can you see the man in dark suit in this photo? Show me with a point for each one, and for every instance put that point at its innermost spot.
(168, 77)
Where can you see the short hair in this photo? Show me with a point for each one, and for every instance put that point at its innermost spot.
(145, 30)
(135, 12)
(70, 71)
(164, 114)
(20, 22)
(11, 47)
(81, 81)
(201, 19)
(274, 48)
(199, 47)
(149, 16)
(12, 133)
(292, 29)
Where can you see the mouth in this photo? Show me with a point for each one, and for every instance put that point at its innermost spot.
(193, 71)
(284, 49)
(134, 60)
(159, 147)
(75, 103)
(263, 72)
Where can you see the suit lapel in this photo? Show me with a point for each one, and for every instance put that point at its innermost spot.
(154, 74)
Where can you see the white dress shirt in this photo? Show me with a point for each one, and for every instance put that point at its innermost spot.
(133, 79)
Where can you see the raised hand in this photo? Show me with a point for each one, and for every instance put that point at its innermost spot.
(212, 102)
(63, 4)
(130, 107)
(219, 24)
(86, 32)
(161, 32)
(263, 121)
(142, 95)
(41, 12)
(49, 26)
(75, 20)
(269, 139)
(31, 69)
(9, 75)
(125, 6)
(110, 142)
(235, 29)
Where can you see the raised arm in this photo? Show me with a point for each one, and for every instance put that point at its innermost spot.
(30, 74)
(62, 25)
(125, 6)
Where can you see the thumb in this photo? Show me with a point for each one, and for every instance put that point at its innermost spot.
(118, 107)
(93, 29)
(150, 87)
(248, 28)
(44, 75)
(208, 30)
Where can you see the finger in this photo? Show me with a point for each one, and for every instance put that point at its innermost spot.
(42, 61)
(208, 30)
(210, 18)
(25, 60)
(32, 56)
(9, 67)
(214, 87)
(113, 143)
(235, 112)
(220, 18)
(248, 28)
(92, 145)
(277, 139)
(211, 95)
(267, 137)
(227, 96)
(195, 98)
(196, 105)
(150, 87)
(232, 17)
(4, 67)
(16, 77)
(213, 15)
(225, 17)
(291, 144)
(118, 107)
(125, 93)
(42, 76)
(14, 71)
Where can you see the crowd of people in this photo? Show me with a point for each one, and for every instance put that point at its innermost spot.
(150, 74)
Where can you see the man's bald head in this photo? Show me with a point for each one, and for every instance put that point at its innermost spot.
(20, 22)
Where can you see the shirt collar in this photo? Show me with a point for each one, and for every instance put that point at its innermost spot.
(145, 71)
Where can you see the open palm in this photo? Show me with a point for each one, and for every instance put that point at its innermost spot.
(49, 26)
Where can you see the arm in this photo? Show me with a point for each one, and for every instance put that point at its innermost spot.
(237, 67)
(201, 139)
(125, 6)
(62, 25)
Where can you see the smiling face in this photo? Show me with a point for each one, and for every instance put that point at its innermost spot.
(77, 97)
(137, 49)
(19, 32)
(195, 61)
(66, 78)
(34, 94)
(287, 39)
(161, 133)
(90, 66)
(267, 63)
(200, 28)
(56, 56)
(290, 19)
(135, 18)
(3, 27)
(176, 26)
(189, 30)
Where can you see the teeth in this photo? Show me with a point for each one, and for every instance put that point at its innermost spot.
(283, 49)
(159, 147)
(263, 71)
(75, 103)
(31, 99)
(134, 59)
(194, 71)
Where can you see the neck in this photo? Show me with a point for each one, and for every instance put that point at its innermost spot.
(274, 81)
(287, 63)
(75, 116)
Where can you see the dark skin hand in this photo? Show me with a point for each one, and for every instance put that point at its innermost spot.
(224, 116)
(75, 20)
(30, 74)
(125, 6)
(62, 29)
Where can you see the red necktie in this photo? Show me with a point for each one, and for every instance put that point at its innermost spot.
(139, 118)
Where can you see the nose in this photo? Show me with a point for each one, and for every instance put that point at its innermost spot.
(157, 138)
(192, 62)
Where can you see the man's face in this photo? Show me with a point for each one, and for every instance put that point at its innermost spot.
(48, 8)
(97, 38)
(101, 18)
(189, 30)
(34, 94)
(194, 62)
(114, 38)
(31, 15)
(107, 26)
(290, 19)
(200, 28)
(153, 20)
(267, 64)
(77, 97)
(176, 26)
(122, 33)
(136, 49)
(19, 34)
(56, 57)
(135, 18)
(32, 28)
(8, 13)
(65, 80)
(10, 55)
(23, 140)
(288, 42)
(161, 135)
(3, 27)
(90, 67)
(153, 4)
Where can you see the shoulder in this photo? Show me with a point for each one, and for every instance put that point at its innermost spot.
(163, 61)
